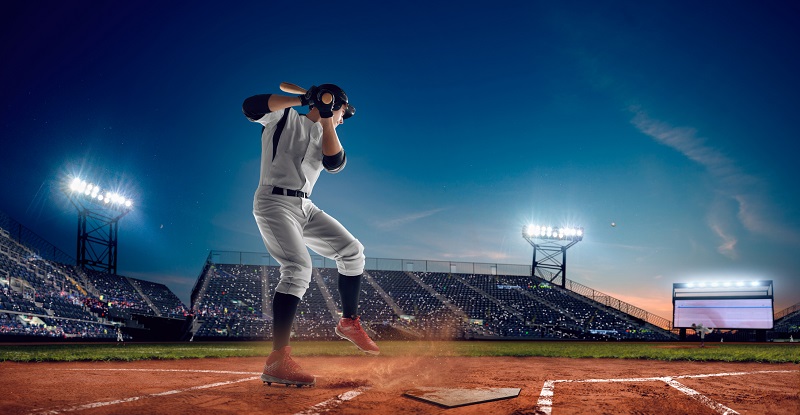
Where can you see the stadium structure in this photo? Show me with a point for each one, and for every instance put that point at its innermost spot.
(45, 296)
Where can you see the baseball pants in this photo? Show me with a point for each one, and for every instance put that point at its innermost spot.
(289, 224)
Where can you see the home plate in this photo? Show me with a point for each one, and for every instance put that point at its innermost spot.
(451, 398)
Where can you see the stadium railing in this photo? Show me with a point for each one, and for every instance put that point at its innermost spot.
(786, 311)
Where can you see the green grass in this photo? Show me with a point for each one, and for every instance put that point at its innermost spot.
(727, 352)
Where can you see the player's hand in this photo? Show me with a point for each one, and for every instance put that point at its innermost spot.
(309, 98)
(325, 110)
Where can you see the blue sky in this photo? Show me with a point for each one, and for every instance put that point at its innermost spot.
(676, 121)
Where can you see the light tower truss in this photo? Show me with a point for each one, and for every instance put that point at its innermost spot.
(550, 250)
(99, 213)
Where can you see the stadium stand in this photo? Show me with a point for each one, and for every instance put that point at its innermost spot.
(42, 297)
(403, 304)
(118, 293)
(787, 324)
(163, 301)
(423, 313)
(230, 305)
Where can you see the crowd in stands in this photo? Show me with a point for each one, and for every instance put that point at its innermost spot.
(167, 303)
(231, 304)
(414, 305)
(122, 297)
(56, 328)
(41, 298)
(789, 325)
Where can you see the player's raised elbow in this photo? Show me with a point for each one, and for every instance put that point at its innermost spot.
(334, 163)
(256, 107)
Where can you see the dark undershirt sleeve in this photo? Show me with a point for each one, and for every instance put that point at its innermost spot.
(256, 107)
(333, 163)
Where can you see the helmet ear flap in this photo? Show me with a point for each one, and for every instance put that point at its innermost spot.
(349, 112)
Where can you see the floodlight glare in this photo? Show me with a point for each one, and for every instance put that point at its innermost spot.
(95, 193)
(552, 242)
(550, 232)
(754, 283)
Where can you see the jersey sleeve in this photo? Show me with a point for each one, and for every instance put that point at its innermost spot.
(256, 109)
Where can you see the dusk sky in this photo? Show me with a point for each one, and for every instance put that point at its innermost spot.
(678, 121)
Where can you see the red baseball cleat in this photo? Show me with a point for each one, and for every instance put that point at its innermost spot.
(280, 368)
(350, 329)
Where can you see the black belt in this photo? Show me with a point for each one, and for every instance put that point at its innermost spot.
(288, 192)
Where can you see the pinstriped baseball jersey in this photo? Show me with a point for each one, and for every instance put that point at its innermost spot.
(291, 151)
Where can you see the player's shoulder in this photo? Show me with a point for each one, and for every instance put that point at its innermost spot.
(275, 117)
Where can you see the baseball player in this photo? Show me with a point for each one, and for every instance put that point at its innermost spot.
(702, 331)
(294, 150)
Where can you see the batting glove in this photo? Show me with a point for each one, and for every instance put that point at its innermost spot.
(309, 97)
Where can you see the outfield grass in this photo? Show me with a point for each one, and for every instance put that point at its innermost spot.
(724, 352)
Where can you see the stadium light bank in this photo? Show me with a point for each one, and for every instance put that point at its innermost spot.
(550, 242)
(551, 233)
(99, 212)
(723, 284)
(94, 193)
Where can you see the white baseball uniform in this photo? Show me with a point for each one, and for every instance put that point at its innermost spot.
(291, 161)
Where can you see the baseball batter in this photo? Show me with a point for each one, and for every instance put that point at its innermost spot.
(295, 148)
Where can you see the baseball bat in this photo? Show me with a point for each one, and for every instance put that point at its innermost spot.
(294, 89)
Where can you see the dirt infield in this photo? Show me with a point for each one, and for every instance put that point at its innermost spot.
(375, 385)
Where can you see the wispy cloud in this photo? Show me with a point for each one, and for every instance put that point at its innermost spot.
(731, 183)
(395, 223)
(728, 245)
(686, 141)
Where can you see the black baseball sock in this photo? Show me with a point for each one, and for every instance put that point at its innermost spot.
(284, 307)
(349, 289)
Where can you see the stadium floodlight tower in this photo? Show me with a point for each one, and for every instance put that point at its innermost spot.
(551, 242)
(99, 212)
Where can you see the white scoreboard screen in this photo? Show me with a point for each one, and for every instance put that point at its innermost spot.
(738, 313)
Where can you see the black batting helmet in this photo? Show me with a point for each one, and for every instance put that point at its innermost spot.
(339, 98)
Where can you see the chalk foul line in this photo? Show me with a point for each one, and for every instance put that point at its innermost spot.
(136, 398)
(314, 410)
(545, 402)
(223, 372)
(326, 406)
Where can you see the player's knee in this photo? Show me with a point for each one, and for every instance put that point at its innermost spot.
(296, 288)
(352, 259)
(294, 280)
